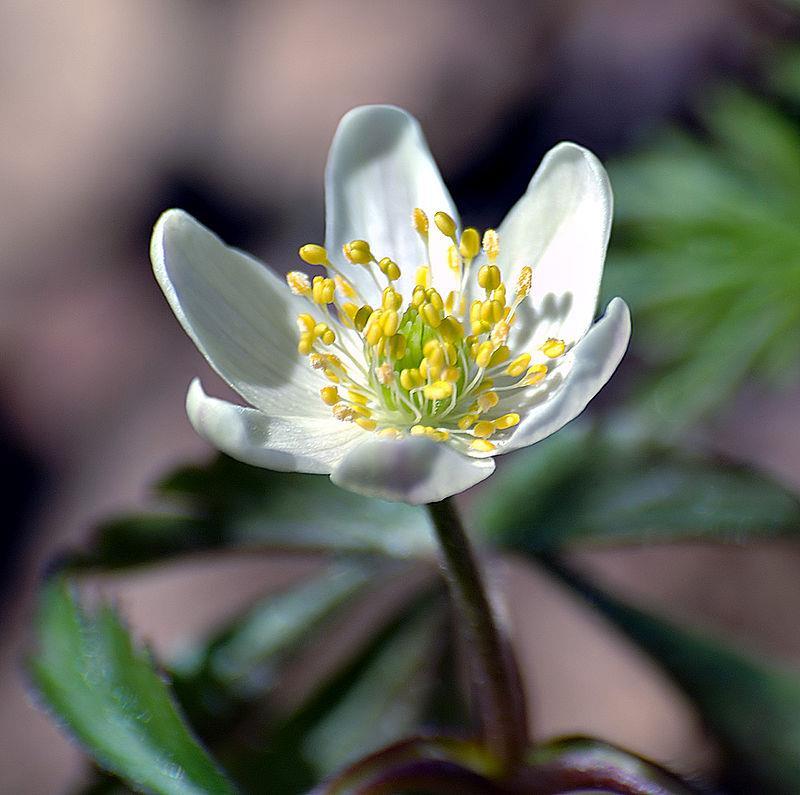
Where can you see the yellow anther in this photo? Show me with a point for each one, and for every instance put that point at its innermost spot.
(420, 222)
(434, 354)
(356, 397)
(470, 243)
(489, 277)
(317, 361)
(357, 252)
(306, 343)
(553, 348)
(362, 411)
(502, 354)
(418, 296)
(534, 375)
(483, 429)
(519, 365)
(422, 278)
(344, 286)
(451, 329)
(313, 254)
(438, 390)
(467, 421)
(499, 294)
(374, 332)
(475, 311)
(385, 374)
(491, 244)
(451, 374)
(298, 283)
(331, 376)
(445, 224)
(433, 316)
(320, 329)
(440, 436)
(500, 332)
(349, 310)
(330, 395)
(410, 378)
(328, 336)
(487, 401)
(450, 353)
(390, 322)
(524, 281)
(391, 299)
(390, 268)
(482, 445)
(484, 386)
(396, 347)
(430, 346)
(344, 413)
(491, 311)
(362, 316)
(390, 433)
(418, 430)
(366, 423)
(433, 296)
(454, 259)
(323, 290)
(450, 301)
(506, 421)
(484, 354)
(306, 322)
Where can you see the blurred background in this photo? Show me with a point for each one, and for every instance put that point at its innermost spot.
(112, 112)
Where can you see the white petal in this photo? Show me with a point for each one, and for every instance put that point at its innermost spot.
(414, 470)
(595, 358)
(240, 315)
(379, 170)
(560, 227)
(287, 444)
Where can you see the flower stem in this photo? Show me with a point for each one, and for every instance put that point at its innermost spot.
(495, 675)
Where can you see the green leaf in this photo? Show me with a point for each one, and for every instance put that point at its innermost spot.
(216, 681)
(583, 486)
(109, 696)
(706, 251)
(751, 705)
(231, 505)
(378, 695)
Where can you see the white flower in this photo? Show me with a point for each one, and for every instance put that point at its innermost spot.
(411, 359)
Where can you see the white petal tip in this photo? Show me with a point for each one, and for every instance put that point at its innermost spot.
(413, 470)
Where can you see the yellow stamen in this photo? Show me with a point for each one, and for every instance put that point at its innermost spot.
(506, 421)
(298, 282)
(482, 445)
(534, 375)
(330, 395)
(489, 277)
(445, 224)
(366, 424)
(488, 400)
(519, 365)
(483, 429)
(313, 254)
(358, 252)
(422, 278)
(470, 243)
(553, 348)
(420, 222)
(438, 390)
(491, 244)
(454, 259)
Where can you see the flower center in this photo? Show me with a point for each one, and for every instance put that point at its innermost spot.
(424, 364)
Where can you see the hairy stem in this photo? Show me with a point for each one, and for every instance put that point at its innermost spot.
(495, 676)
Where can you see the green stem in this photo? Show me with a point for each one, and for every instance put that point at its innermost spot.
(494, 671)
